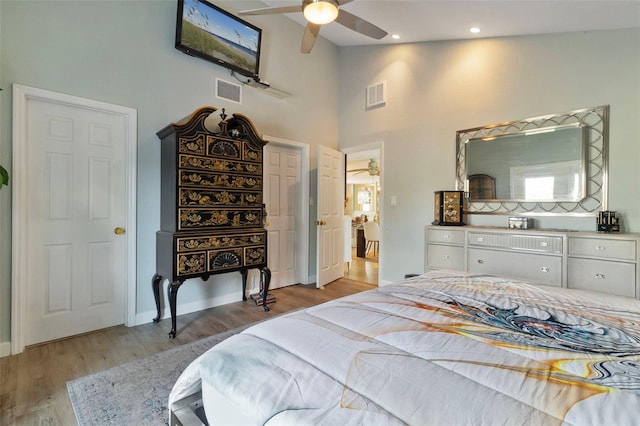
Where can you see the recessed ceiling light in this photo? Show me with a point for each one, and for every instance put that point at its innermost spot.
(474, 30)
(395, 36)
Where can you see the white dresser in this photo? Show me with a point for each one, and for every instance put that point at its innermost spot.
(583, 260)
(602, 261)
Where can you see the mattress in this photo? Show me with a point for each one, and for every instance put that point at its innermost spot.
(441, 348)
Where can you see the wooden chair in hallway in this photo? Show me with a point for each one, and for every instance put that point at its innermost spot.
(371, 236)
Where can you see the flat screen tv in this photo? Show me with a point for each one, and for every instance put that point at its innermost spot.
(213, 34)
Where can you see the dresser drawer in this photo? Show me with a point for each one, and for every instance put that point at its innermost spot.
(198, 219)
(535, 268)
(200, 179)
(604, 276)
(217, 197)
(218, 165)
(536, 243)
(206, 241)
(221, 260)
(445, 236)
(445, 257)
(215, 252)
(603, 248)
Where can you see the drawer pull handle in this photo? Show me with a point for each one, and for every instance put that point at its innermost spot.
(544, 269)
(445, 236)
(544, 244)
(600, 276)
(446, 257)
(480, 239)
(601, 248)
(480, 261)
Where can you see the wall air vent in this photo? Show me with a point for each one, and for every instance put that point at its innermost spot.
(377, 95)
(228, 91)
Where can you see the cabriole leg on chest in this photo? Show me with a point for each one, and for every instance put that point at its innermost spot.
(266, 280)
(173, 295)
(155, 285)
(243, 273)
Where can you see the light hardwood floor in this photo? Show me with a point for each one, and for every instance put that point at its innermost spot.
(363, 268)
(33, 384)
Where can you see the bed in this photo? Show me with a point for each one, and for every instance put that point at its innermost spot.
(445, 347)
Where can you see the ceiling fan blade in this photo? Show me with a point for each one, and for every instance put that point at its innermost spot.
(271, 10)
(359, 25)
(356, 172)
(343, 2)
(309, 37)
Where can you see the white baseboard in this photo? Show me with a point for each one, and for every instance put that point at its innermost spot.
(5, 349)
(187, 308)
(147, 317)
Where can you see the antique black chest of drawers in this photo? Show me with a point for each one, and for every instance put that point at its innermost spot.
(212, 212)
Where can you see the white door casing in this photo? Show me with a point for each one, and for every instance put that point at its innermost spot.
(330, 214)
(281, 188)
(74, 216)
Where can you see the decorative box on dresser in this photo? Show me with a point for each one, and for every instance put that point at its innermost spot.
(212, 216)
(592, 261)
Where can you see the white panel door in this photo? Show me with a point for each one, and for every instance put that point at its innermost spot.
(330, 212)
(76, 211)
(282, 181)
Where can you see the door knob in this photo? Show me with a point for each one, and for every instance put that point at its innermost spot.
(118, 231)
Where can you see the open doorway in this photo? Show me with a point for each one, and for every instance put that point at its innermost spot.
(362, 211)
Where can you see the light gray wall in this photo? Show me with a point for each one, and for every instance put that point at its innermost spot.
(122, 52)
(434, 89)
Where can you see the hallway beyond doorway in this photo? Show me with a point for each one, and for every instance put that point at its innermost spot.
(363, 269)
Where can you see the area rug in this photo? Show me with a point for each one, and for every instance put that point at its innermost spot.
(136, 393)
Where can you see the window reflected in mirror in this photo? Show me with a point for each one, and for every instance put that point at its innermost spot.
(544, 165)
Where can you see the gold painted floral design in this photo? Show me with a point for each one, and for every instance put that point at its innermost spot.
(190, 264)
(190, 219)
(215, 164)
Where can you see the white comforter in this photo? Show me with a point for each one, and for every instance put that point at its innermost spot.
(443, 349)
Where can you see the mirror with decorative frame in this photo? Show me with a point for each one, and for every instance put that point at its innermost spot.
(554, 164)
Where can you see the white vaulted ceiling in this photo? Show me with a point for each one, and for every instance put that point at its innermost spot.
(424, 20)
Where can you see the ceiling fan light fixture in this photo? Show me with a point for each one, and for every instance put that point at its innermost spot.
(320, 12)
(374, 167)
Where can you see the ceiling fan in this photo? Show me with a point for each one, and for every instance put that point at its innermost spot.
(373, 168)
(321, 12)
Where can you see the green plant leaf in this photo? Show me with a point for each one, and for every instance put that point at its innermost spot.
(4, 177)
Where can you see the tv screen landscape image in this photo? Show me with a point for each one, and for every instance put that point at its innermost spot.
(206, 31)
